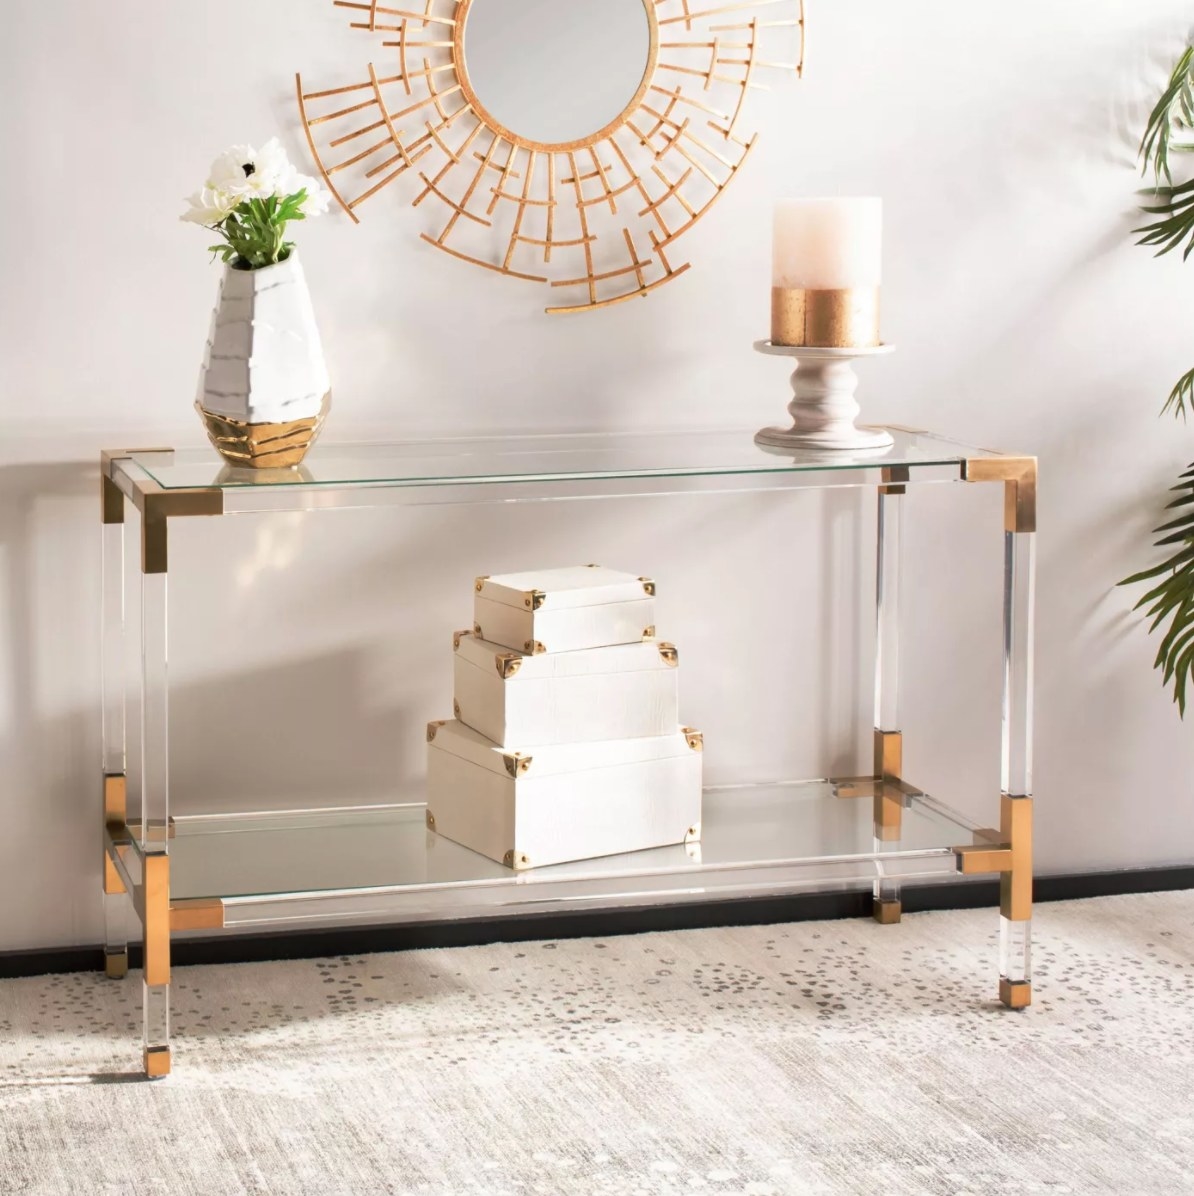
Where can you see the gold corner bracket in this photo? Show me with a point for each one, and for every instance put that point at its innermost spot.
(1019, 478)
(1007, 852)
(158, 507)
(156, 504)
(895, 479)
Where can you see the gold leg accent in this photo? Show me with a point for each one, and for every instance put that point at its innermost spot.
(111, 500)
(1015, 994)
(887, 910)
(115, 809)
(155, 917)
(116, 964)
(157, 1062)
(1015, 885)
(1012, 859)
(889, 754)
(889, 765)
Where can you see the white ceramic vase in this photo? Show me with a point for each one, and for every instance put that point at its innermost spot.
(264, 388)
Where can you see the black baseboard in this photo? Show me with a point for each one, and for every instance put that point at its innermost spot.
(752, 911)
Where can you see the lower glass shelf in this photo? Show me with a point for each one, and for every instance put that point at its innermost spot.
(381, 862)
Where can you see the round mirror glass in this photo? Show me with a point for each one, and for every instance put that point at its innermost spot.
(556, 72)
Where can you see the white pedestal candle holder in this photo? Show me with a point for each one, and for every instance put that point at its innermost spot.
(823, 407)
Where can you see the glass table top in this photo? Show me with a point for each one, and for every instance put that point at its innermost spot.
(757, 828)
(571, 457)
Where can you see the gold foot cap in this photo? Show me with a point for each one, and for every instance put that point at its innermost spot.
(1015, 994)
(157, 1062)
(887, 910)
(116, 964)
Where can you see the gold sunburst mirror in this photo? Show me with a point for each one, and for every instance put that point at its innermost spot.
(569, 143)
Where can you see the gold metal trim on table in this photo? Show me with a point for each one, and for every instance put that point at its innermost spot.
(115, 813)
(197, 913)
(157, 1062)
(1007, 852)
(895, 478)
(1019, 476)
(154, 907)
(156, 504)
(1015, 994)
(889, 800)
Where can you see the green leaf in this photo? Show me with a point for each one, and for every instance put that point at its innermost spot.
(1172, 110)
(1172, 598)
(1181, 395)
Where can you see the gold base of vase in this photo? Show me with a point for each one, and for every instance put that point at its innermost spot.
(263, 446)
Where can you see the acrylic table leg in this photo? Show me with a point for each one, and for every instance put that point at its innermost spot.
(1015, 905)
(155, 712)
(888, 907)
(116, 952)
(115, 799)
(888, 808)
(156, 988)
(155, 794)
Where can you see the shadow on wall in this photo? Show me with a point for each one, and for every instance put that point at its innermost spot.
(306, 733)
(49, 732)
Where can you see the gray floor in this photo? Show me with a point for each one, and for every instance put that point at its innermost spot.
(839, 1057)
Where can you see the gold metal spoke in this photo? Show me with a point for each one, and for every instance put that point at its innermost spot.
(571, 215)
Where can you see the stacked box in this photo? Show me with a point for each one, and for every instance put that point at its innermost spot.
(566, 742)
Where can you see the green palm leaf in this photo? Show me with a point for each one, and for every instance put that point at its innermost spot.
(1173, 111)
(1172, 598)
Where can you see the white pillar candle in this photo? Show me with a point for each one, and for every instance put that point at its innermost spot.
(828, 244)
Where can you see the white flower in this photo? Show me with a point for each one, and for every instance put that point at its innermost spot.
(252, 173)
(209, 207)
(318, 196)
(242, 173)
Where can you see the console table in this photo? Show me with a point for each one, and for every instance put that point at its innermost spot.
(372, 863)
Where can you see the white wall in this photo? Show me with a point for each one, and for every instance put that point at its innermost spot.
(1002, 139)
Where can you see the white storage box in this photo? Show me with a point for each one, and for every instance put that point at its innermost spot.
(549, 805)
(564, 610)
(624, 692)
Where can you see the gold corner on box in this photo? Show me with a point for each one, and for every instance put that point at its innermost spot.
(516, 860)
(696, 740)
(517, 764)
(263, 446)
(670, 654)
(432, 728)
(430, 821)
(507, 664)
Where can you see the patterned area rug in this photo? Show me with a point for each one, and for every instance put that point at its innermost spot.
(838, 1057)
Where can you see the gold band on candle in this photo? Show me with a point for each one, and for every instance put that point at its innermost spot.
(830, 319)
